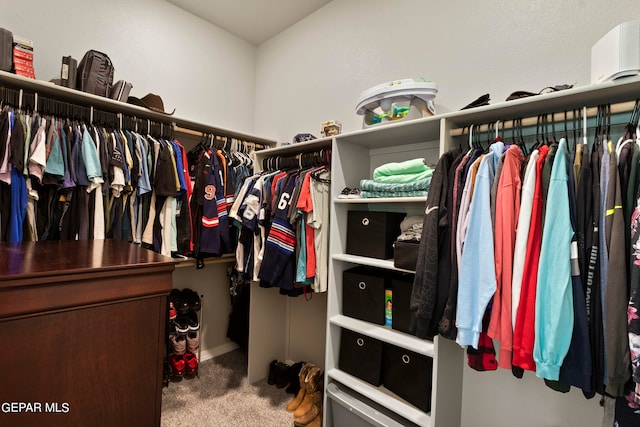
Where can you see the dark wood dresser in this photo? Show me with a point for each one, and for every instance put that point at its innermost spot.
(82, 333)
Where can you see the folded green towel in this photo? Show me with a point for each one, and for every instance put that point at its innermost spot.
(400, 168)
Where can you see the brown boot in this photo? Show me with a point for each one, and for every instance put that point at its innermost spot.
(316, 422)
(293, 405)
(314, 412)
(312, 401)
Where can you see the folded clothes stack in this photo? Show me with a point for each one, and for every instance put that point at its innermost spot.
(410, 178)
(411, 229)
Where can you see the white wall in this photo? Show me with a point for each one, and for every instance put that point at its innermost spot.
(205, 73)
(315, 71)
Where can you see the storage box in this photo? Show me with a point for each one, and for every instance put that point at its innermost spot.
(349, 408)
(405, 254)
(371, 234)
(401, 317)
(408, 375)
(363, 294)
(361, 356)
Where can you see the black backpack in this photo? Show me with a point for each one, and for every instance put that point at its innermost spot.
(95, 73)
(6, 50)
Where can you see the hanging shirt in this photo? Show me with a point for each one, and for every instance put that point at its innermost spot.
(507, 212)
(524, 331)
(278, 267)
(215, 223)
(91, 160)
(554, 298)
(424, 292)
(616, 294)
(477, 280)
(522, 233)
(319, 220)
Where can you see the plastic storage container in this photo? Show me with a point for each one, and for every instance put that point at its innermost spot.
(349, 409)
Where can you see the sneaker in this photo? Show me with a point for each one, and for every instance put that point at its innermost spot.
(178, 343)
(180, 303)
(344, 194)
(191, 363)
(193, 341)
(181, 324)
(192, 319)
(354, 193)
(177, 364)
(192, 298)
(172, 311)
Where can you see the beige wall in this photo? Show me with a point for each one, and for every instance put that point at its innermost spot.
(205, 73)
(315, 70)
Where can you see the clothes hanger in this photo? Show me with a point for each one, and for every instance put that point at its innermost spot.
(520, 142)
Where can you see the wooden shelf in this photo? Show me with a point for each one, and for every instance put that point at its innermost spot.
(191, 262)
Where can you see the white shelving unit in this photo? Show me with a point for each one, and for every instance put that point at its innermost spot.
(355, 156)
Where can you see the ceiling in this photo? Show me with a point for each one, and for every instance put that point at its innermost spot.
(252, 20)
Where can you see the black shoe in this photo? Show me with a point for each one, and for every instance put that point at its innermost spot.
(180, 303)
(294, 380)
(181, 324)
(192, 298)
(192, 319)
(282, 375)
(273, 372)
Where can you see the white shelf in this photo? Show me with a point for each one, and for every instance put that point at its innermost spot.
(382, 200)
(383, 397)
(386, 334)
(387, 264)
(44, 88)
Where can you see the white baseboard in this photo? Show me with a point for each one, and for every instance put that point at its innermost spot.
(210, 353)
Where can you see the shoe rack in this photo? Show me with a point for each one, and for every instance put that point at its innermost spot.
(183, 349)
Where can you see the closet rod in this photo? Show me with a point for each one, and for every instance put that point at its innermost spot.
(262, 144)
(558, 117)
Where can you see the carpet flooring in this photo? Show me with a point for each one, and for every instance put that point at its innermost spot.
(222, 397)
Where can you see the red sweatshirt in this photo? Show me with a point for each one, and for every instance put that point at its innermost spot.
(524, 332)
(507, 211)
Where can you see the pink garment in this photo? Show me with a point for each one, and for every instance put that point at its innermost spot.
(507, 211)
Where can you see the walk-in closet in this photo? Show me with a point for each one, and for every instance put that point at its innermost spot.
(322, 213)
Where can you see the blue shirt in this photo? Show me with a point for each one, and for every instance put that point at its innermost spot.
(554, 298)
(477, 281)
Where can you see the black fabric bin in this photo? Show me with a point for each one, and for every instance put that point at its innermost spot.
(361, 356)
(408, 375)
(405, 254)
(401, 314)
(371, 234)
(363, 294)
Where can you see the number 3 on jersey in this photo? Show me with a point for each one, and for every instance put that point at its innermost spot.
(284, 201)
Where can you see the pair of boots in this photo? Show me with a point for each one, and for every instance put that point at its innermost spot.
(283, 375)
(307, 405)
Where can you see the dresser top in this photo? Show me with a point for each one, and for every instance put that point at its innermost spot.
(53, 258)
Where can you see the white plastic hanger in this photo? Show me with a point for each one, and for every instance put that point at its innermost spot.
(584, 126)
